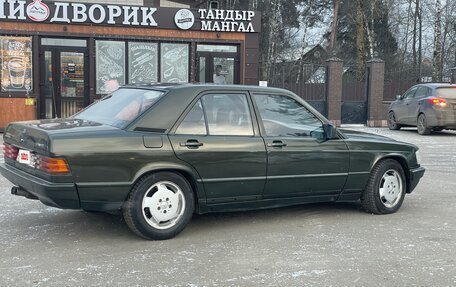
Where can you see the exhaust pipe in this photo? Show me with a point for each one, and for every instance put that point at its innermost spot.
(19, 191)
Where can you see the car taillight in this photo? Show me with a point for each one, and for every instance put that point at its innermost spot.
(52, 165)
(10, 151)
(438, 102)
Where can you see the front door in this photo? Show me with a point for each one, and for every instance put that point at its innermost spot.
(64, 81)
(218, 68)
(401, 108)
(300, 162)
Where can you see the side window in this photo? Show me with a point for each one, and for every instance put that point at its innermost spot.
(284, 116)
(421, 92)
(194, 122)
(410, 94)
(228, 114)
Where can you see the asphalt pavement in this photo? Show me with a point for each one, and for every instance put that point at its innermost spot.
(307, 245)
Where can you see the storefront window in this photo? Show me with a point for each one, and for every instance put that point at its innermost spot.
(143, 63)
(110, 66)
(16, 64)
(174, 63)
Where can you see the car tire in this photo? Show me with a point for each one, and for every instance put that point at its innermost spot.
(392, 123)
(386, 188)
(159, 206)
(421, 125)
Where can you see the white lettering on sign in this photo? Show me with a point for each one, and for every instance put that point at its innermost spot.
(79, 13)
(147, 15)
(113, 12)
(127, 15)
(19, 9)
(64, 17)
(2, 9)
(227, 20)
(227, 26)
(101, 14)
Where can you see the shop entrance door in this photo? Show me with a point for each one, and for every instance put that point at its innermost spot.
(218, 68)
(64, 81)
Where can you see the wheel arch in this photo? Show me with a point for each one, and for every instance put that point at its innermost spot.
(187, 172)
(402, 160)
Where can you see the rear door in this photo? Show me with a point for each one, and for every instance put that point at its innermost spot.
(300, 162)
(415, 103)
(219, 139)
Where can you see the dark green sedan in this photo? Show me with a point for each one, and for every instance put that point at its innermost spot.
(161, 153)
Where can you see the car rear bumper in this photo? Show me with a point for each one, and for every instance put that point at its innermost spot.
(61, 195)
(442, 118)
(415, 175)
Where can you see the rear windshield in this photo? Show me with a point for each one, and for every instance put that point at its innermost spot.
(120, 108)
(449, 93)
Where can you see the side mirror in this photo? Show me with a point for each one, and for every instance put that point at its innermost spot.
(330, 131)
(399, 97)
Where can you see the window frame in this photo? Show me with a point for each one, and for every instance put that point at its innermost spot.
(299, 101)
(251, 109)
(428, 90)
(406, 97)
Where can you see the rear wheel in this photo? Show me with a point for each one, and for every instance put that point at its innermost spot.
(392, 123)
(421, 125)
(159, 206)
(385, 190)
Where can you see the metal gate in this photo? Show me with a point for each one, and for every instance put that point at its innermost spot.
(354, 96)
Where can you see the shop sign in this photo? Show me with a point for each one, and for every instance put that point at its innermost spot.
(127, 15)
(226, 20)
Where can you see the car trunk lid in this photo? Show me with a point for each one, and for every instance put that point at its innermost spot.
(27, 143)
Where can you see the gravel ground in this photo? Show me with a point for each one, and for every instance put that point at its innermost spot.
(317, 244)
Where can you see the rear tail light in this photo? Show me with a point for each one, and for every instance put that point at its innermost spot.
(438, 102)
(49, 165)
(10, 151)
(52, 165)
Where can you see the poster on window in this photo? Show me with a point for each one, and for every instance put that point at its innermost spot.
(110, 66)
(174, 63)
(16, 64)
(142, 63)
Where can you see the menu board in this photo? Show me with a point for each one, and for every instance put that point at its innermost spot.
(110, 66)
(16, 64)
(174, 63)
(142, 62)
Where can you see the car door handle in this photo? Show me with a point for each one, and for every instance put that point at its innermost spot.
(277, 144)
(191, 144)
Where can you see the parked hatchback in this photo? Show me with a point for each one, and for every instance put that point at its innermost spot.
(161, 153)
(429, 107)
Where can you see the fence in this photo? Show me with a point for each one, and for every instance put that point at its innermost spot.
(312, 88)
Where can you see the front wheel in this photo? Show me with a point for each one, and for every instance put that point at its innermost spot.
(159, 206)
(392, 123)
(385, 190)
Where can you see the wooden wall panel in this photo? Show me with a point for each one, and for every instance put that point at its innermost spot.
(14, 109)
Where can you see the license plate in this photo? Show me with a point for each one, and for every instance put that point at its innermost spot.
(24, 157)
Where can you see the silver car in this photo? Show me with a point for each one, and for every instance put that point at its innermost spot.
(429, 107)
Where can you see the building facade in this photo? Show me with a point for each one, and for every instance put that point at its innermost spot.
(59, 56)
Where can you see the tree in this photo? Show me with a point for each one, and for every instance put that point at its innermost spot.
(437, 55)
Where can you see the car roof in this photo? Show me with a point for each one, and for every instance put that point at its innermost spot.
(203, 87)
(437, 85)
